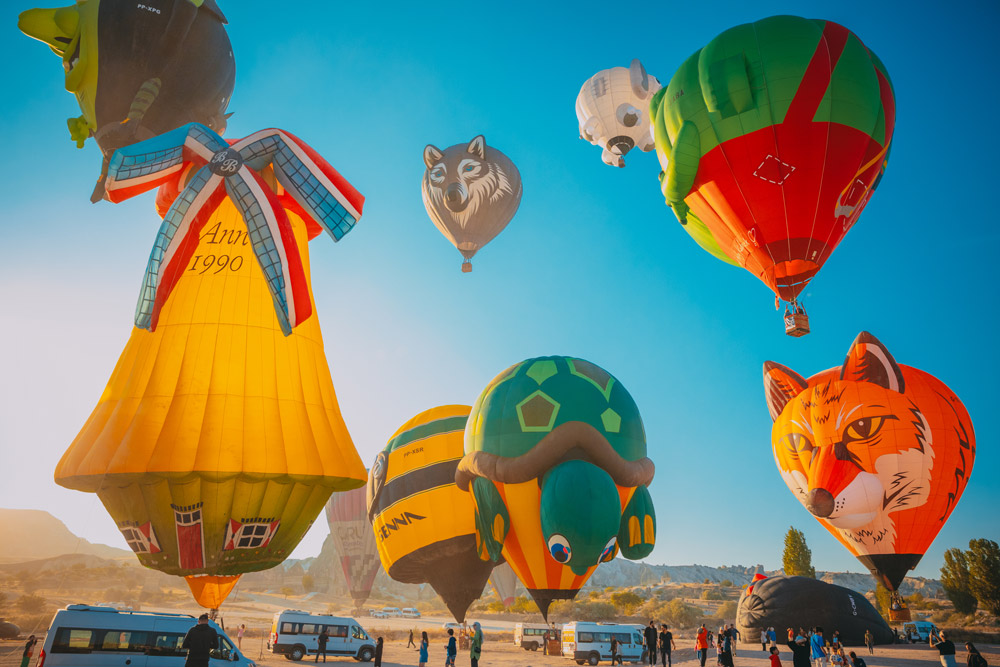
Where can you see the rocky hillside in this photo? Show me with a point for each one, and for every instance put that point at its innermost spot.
(34, 534)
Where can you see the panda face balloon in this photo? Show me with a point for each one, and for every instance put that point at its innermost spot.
(613, 110)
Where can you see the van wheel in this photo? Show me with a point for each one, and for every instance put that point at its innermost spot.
(579, 662)
(533, 646)
(298, 652)
(593, 659)
(366, 654)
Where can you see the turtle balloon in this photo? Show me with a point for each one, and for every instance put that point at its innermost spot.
(555, 458)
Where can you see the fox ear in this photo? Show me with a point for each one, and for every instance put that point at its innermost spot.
(868, 360)
(432, 155)
(781, 385)
(478, 147)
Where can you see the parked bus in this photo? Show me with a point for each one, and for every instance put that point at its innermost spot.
(93, 636)
(530, 636)
(295, 634)
(590, 643)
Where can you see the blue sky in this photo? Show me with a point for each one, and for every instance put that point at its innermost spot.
(593, 264)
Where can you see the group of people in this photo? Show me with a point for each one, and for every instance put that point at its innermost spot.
(724, 643)
(946, 651)
(811, 649)
(653, 642)
(451, 648)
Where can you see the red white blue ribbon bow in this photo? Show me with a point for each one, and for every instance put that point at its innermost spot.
(317, 192)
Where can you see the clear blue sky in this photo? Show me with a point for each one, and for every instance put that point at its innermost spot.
(593, 264)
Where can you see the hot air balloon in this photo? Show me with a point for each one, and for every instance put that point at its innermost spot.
(139, 70)
(347, 514)
(504, 583)
(424, 526)
(613, 111)
(471, 191)
(775, 135)
(218, 438)
(784, 602)
(555, 457)
(878, 452)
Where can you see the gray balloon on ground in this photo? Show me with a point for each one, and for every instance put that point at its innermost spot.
(471, 191)
(794, 602)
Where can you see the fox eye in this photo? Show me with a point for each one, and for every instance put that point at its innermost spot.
(797, 443)
(468, 168)
(438, 174)
(864, 428)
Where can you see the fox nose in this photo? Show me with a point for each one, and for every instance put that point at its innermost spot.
(454, 198)
(820, 503)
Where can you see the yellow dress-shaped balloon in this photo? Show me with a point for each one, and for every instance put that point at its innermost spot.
(218, 438)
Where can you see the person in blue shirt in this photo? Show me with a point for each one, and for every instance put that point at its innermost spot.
(424, 644)
(818, 648)
(452, 651)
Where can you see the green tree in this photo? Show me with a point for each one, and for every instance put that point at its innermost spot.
(308, 583)
(983, 558)
(956, 583)
(712, 594)
(522, 605)
(726, 583)
(726, 610)
(626, 601)
(680, 614)
(883, 598)
(797, 558)
(286, 591)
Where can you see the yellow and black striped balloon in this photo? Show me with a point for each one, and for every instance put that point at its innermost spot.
(424, 525)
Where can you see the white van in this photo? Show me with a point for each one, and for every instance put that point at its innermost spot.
(93, 636)
(392, 612)
(918, 631)
(589, 643)
(295, 634)
(410, 612)
(531, 636)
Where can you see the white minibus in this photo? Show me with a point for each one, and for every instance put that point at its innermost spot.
(295, 634)
(531, 636)
(93, 636)
(392, 612)
(410, 612)
(590, 643)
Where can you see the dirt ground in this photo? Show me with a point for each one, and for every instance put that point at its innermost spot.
(506, 655)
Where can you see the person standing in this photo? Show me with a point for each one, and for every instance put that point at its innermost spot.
(772, 637)
(615, 658)
(545, 643)
(378, 653)
(734, 636)
(800, 649)
(666, 645)
(411, 642)
(321, 641)
(725, 641)
(451, 652)
(975, 658)
(774, 657)
(763, 639)
(29, 650)
(199, 642)
(476, 644)
(650, 636)
(701, 644)
(945, 647)
(817, 646)
(424, 648)
(870, 641)
(240, 631)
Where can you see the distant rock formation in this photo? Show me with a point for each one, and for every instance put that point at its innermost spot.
(35, 534)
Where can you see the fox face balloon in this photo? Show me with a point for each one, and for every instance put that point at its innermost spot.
(878, 452)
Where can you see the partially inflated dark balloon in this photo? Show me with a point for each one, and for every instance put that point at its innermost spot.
(793, 602)
(139, 69)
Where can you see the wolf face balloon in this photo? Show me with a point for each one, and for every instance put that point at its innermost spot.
(879, 453)
(471, 192)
